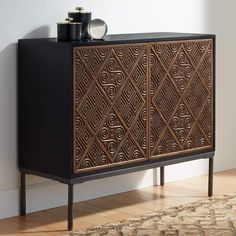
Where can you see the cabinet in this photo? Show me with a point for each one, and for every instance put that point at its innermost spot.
(93, 109)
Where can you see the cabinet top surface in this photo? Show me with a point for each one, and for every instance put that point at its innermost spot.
(133, 38)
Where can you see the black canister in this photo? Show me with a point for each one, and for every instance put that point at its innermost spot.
(69, 31)
(82, 17)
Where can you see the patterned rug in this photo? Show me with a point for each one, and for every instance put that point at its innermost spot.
(211, 217)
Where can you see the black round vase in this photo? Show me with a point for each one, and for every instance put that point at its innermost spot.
(69, 31)
(84, 18)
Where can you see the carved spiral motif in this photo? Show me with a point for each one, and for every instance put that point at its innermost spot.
(181, 135)
(87, 164)
(112, 64)
(144, 60)
(143, 88)
(188, 122)
(144, 142)
(103, 52)
(112, 147)
(85, 52)
(144, 114)
(174, 47)
(175, 71)
(190, 144)
(103, 161)
(152, 60)
(189, 46)
(78, 152)
(78, 123)
(104, 133)
(119, 78)
(182, 109)
(152, 140)
(136, 50)
(182, 58)
(182, 83)
(136, 154)
(174, 147)
(111, 91)
(120, 51)
(152, 88)
(160, 150)
(79, 68)
(175, 122)
(203, 45)
(188, 71)
(160, 48)
(104, 77)
(120, 133)
(120, 157)
(111, 120)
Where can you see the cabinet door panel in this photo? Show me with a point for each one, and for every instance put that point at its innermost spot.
(110, 123)
(182, 90)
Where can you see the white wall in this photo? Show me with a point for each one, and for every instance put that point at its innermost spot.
(37, 18)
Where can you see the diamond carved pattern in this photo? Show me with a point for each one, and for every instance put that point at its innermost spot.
(196, 139)
(92, 59)
(94, 107)
(112, 77)
(95, 157)
(139, 129)
(112, 133)
(158, 126)
(110, 102)
(158, 73)
(139, 75)
(167, 144)
(129, 103)
(196, 95)
(111, 96)
(167, 99)
(83, 138)
(182, 98)
(129, 151)
(181, 71)
(129, 55)
(166, 52)
(181, 122)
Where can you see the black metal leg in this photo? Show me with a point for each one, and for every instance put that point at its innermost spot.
(70, 206)
(162, 175)
(210, 177)
(22, 194)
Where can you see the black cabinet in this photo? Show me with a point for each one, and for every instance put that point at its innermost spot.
(94, 109)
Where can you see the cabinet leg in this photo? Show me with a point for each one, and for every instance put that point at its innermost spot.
(210, 177)
(70, 206)
(22, 194)
(162, 173)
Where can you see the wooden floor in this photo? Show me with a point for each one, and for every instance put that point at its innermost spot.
(117, 207)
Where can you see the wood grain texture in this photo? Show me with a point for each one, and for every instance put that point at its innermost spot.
(140, 101)
(181, 97)
(110, 106)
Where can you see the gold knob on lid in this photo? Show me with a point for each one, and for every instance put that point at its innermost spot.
(68, 19)
(79, 9)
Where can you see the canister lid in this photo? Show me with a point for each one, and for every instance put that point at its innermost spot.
(80, 10)
(69, 20)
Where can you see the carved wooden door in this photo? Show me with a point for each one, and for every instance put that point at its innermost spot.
(110, 118)
(181, 97)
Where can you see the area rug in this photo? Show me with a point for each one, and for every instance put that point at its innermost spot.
(211, 217)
